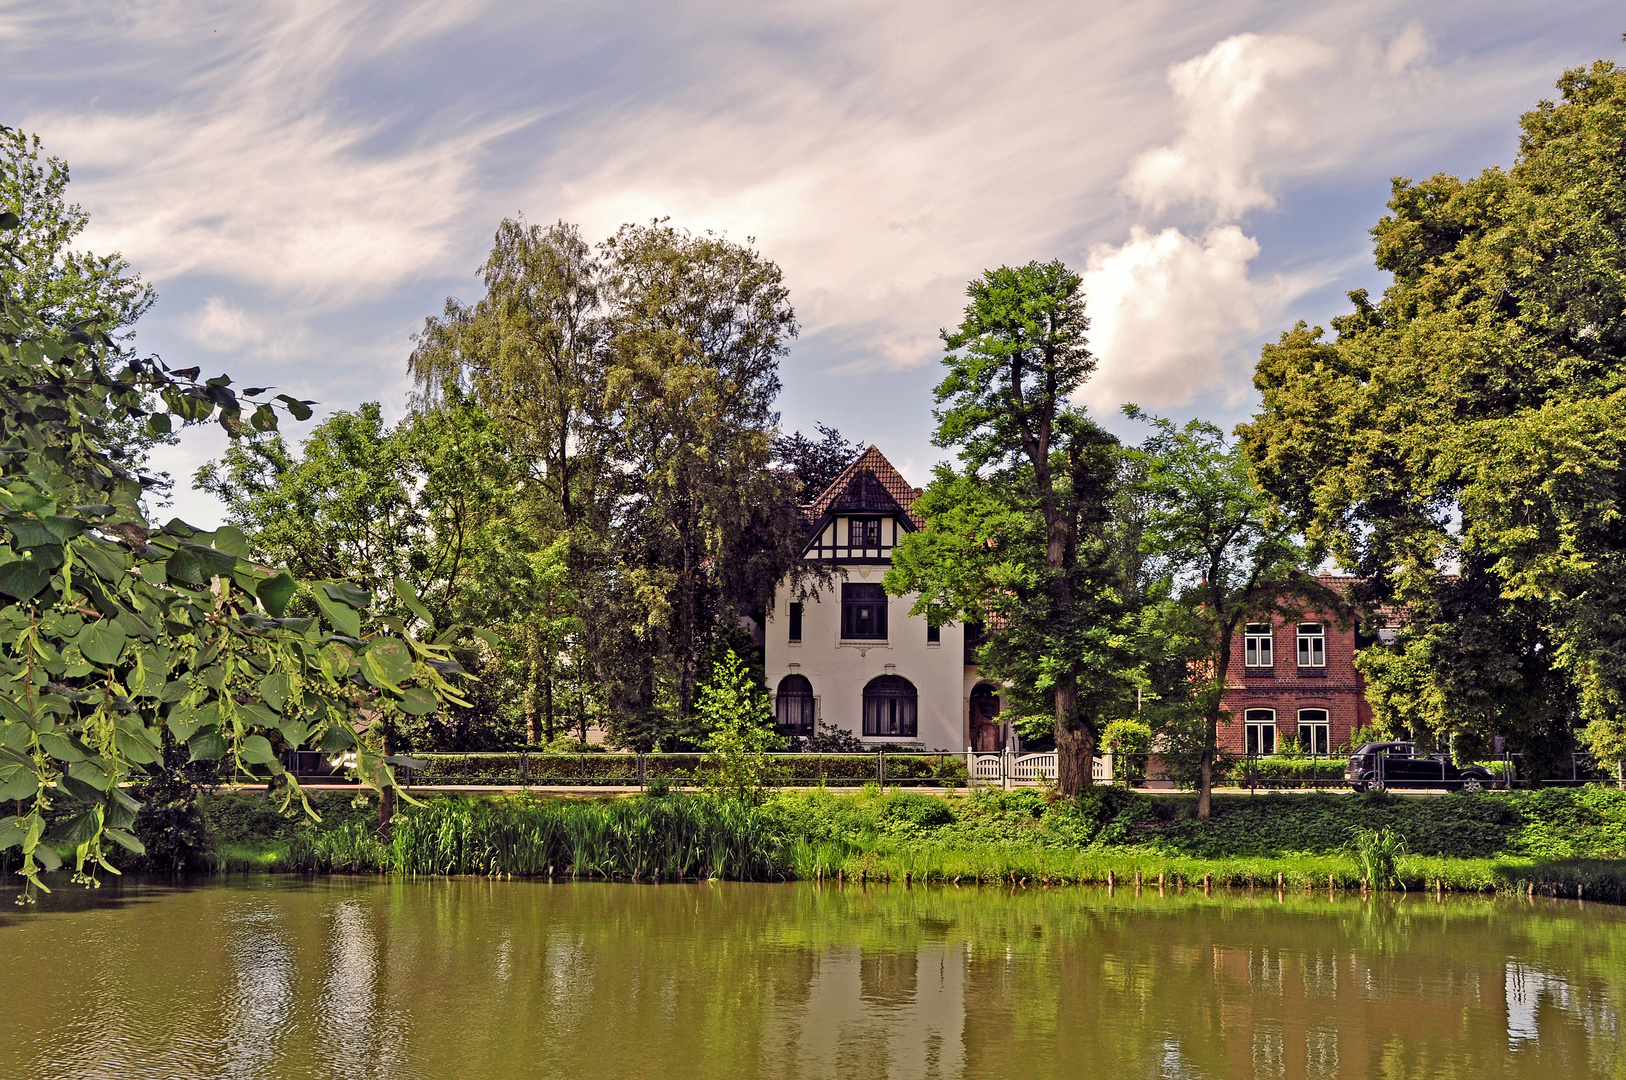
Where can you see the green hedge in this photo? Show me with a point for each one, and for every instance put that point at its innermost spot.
(841, 770)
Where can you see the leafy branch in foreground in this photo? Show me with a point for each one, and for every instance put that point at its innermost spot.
(112, 630)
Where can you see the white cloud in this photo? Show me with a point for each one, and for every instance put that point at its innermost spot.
(1165, 308)
(1257, 108)
(1231, 107)
(220, 326)
(248, 170)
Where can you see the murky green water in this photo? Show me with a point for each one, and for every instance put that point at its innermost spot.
(463, 978)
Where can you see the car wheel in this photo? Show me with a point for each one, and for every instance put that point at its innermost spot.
(1357, 787)
(1375, 785)
(1472, 783)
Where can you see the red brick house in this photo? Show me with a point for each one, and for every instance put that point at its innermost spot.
(1295, 679)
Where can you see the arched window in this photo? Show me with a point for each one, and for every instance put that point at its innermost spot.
(890, 707)
(793, 707)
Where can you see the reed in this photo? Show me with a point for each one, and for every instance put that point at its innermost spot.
(644, 839)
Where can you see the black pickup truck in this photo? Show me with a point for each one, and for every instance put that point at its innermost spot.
(1381, 765)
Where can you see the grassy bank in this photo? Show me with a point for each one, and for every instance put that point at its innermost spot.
(1556, 842)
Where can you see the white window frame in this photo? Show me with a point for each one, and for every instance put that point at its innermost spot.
(1257, 641)
(1312, 642)
(1257, 728)
(1325, 724)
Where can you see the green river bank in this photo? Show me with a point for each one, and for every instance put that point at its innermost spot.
(1561, 842)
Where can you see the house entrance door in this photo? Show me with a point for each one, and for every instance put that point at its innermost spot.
(987, 733)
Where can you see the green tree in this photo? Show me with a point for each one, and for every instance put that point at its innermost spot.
(112, 631)
(707, 528)
(1230, 557)
(738, 721)
(432, 501)
(61, 287)
(1460, 442)
(1021, 539)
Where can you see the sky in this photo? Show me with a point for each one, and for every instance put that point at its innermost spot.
(304, 182)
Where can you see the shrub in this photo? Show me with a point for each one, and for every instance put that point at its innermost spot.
(914, 811)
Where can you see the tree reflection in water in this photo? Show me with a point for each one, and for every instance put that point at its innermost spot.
(403, 978)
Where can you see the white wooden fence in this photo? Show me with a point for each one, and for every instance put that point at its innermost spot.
(1009, 769)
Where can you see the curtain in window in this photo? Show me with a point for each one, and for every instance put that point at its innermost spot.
(793, 706)
(890, 707)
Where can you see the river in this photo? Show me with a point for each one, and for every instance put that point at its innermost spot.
(337, 977)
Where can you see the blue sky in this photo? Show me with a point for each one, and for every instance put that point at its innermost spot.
(305, 182)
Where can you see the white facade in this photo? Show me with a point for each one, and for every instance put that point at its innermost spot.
(839, 669)
(871, 668)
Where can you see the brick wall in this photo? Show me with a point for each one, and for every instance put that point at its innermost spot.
(1285, 687)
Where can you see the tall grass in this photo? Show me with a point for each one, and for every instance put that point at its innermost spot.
(646, 839)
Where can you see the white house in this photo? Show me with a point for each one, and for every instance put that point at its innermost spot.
(853, 657)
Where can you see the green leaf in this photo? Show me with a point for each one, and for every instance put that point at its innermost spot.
(125, 840)
(257, 750)
(158, 424)
(79, 828)
(194, 564)
(345, 619)
(47, 857)
(75, 788)
(387, 663)
(185, 721)
(17, 781)
(264, 419)
(343, 591)
(230, 539)
(9, 220)
(337, 739)
(101, 642)
(275, 592)
(294, 732)
(207, 745)
(416, 701)
(14, 735)
(274, 689)
(299, 410)
(91, 775)
(27, 532)
(13, 831)
(134, 748)
(23, 578)
(409, 596)
(59, 747)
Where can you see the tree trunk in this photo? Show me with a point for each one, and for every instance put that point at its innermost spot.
(1075, 743)
(547, 713)
(1205, 780)
(386, 797)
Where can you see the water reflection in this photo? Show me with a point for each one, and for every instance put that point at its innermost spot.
(448, 978)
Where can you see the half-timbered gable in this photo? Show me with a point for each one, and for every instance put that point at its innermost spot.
(853, 657)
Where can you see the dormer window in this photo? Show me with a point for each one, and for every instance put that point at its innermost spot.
(864, 532)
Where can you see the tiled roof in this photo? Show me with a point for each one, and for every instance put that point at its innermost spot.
(873, 462)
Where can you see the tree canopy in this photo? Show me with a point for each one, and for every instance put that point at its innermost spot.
(1459, 442)
(115, 635)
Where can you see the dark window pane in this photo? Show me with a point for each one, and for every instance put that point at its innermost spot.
(793, 706)
(890, 707)
(796, 622)
(933, 633)
(863, 612)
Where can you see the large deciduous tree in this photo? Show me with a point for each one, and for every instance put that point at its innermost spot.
(1462, 439)
(1020, 536)
(635, 387)
(1228, 555)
